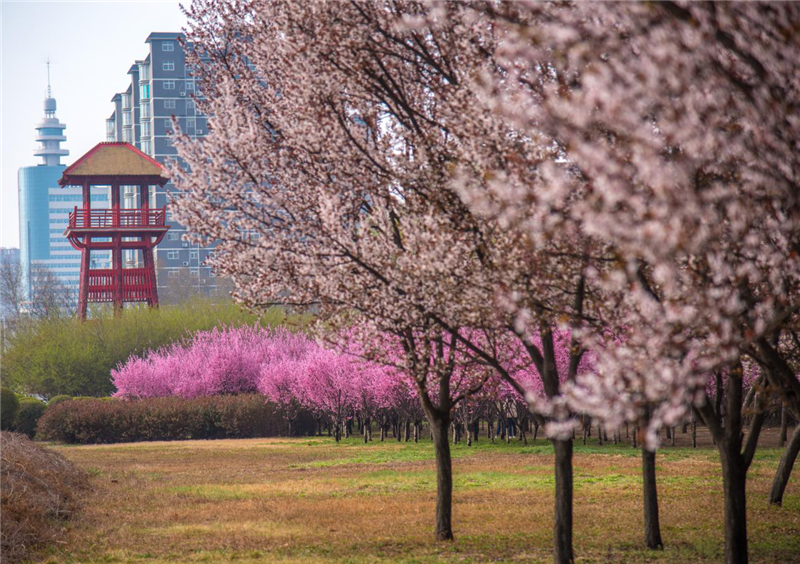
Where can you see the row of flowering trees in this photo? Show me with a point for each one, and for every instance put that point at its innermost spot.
(294, 372)
(478, 176)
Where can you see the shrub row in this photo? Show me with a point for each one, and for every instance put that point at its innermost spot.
(20, 413)
(165, 419)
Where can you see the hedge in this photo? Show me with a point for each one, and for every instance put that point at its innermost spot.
(9, 409)
(30, 411)
(55, 400)
(166, 419)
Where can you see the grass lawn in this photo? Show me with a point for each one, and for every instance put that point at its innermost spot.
(311, 500)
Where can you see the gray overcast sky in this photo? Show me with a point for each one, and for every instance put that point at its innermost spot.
(91, 46)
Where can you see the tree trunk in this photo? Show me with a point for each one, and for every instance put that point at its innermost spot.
(784, 426)
(785, 468)
(562, 527)
(694, 431)
(444, 479)
(733, 484)
(652, 530)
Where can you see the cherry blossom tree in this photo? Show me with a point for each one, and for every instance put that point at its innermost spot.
(332, 137)
(676, 131)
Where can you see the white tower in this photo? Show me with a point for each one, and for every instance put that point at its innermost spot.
(50, 132)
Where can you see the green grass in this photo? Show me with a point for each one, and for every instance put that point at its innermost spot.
(312, 500)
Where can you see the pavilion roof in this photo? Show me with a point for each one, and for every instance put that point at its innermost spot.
(112, 159)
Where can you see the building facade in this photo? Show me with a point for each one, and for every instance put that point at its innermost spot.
(162, 89)
(44, 208)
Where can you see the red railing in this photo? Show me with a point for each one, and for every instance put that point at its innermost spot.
(79, 218)
(137, 284)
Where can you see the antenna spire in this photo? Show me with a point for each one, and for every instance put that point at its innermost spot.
(48, 79)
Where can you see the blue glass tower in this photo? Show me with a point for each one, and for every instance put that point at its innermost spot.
(34, 184)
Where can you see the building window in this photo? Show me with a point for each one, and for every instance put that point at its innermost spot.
(127, 136)
(145, 107)
(168, 142)
(193, 255)
(169, 104)
(169, 85)
(173, 236)
(168, 66)
(190, 85)
(146, 128)
(126, 100)
(173, 255)
(145, 89)
(167, 46)
(147, 147)
(189, 105)
(168, 124)
(126, 118)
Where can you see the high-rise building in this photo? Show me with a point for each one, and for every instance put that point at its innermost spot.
(161, 89)
(44, 206)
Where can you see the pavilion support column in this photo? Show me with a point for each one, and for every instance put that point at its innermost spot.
(149, 265)
(83, 288)
(116, 253)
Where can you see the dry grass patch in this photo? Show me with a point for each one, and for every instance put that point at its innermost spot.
(41, 490)
(311, 500)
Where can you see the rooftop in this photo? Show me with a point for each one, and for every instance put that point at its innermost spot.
(112, 159)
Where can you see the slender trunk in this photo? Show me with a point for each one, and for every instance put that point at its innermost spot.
(785, 468)
(652, 530)
(562, 527)
(733, 485)
(444, 479)
(586, 428)
(694, 431)
(784, 426)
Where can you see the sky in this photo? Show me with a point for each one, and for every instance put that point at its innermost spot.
(91, 46)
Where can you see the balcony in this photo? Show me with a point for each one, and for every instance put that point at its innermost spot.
(121, 218)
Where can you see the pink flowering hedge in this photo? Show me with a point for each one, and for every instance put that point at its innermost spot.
(217, 362)
(94, 421)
